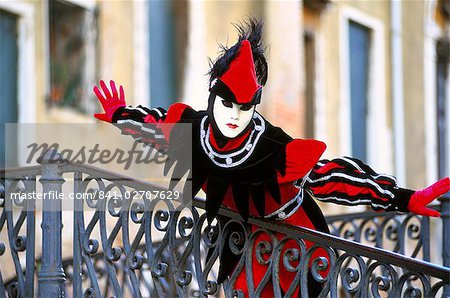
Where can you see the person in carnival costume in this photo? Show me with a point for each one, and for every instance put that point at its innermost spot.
(246, 164)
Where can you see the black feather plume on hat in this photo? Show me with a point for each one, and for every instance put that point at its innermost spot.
(251, 30)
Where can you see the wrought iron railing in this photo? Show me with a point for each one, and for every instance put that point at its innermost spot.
(154, 248)
(407, 234)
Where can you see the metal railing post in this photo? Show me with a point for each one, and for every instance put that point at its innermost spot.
(51, 277)
(445, 215)
(77, 257)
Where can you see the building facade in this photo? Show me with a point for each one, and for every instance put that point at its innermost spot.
(369, 78)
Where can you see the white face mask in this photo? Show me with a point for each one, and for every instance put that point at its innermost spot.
(231, 118)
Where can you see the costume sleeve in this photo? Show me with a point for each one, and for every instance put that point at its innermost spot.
(146, 125)
(348, 181)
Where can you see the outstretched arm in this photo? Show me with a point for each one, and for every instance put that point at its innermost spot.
(349, 181)
(142, 123)
(115, 108)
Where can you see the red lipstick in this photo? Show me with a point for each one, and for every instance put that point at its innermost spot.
(232, 126)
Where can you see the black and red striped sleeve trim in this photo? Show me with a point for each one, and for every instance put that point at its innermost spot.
(141, 123)
(139, 114)
(348, 181)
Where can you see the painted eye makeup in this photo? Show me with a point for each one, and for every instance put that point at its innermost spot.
(246, 107)
(227, 103)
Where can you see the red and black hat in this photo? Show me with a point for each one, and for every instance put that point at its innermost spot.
(239, 73)
(239, 83)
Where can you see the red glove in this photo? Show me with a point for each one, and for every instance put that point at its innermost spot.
(419, 200)
(110, 102)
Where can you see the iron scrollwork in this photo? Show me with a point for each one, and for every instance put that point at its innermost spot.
(146, 248)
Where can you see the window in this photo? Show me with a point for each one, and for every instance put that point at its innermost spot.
(72, 55)
(8, 82)
(359, 46)
(168, 44)
(364, 130)
(310, 80)
(442, 49)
